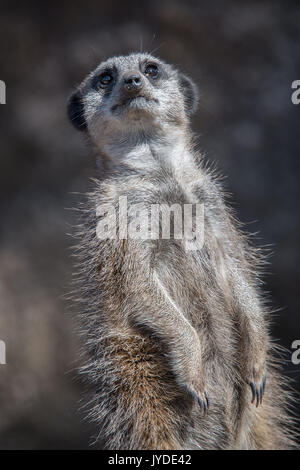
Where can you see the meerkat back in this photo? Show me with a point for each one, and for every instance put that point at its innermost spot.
(175, 324)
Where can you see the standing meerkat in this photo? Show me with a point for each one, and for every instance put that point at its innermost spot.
(177, 338)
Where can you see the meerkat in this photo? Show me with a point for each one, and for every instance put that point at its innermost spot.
(177, 339)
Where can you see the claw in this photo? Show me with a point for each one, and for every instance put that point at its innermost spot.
(262, 387)
(207, 400)
(264, 383)
(204, 405)
(261, 393)
(253, 388)
(257, 393)
(194, 395)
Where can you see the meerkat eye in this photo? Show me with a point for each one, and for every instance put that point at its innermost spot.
(151, 70)
(104, 79)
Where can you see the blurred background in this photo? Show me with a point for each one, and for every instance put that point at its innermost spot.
(244, 57)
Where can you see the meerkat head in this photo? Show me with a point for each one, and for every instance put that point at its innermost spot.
(133, 93)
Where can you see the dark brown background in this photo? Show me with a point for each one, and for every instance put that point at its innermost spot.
(244, 57)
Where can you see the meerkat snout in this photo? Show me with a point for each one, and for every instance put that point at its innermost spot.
(132, 83)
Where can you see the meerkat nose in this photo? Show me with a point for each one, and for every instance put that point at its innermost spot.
(132, 82)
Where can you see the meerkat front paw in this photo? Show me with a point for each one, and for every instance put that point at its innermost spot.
(257, 384)
(202, 400)
(198, 392)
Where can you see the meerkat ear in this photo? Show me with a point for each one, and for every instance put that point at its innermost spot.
(190, 92)
(75, 111)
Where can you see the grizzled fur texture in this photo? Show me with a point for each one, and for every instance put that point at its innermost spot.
(177, 339)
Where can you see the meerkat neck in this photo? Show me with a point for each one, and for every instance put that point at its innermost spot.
(170, 149)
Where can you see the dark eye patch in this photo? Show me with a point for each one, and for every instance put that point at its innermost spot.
(154, 71)
(104, 80)
(151, 70)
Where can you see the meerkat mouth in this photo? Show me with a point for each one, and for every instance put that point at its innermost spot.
(138, 101)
